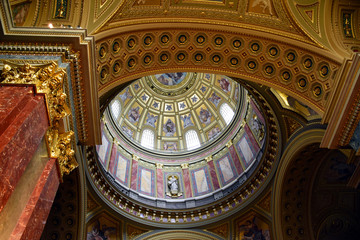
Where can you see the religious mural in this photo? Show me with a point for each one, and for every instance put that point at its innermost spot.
(170, 79)
(151, 120)
(127, 131)
(102, 229)
(20, 12)
(186, 120)
(169, 128)
(205, 116)
(261, 6)
(134, 114)
(215, 99)
(125, 95)
(170, 146)
(213, 132)
(253, 228)
(225, 84)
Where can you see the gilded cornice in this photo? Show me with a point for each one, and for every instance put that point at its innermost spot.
(48, 80)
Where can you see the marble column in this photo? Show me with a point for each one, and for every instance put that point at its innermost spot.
(23, 123)
(33, 217)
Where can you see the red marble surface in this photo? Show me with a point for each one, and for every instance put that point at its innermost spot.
(160, 183)
(134, 168)
(33, 218)
(253, 141)
(213, 175)
(186, 174)
(23, 124)
(112, 160)
(236, 159)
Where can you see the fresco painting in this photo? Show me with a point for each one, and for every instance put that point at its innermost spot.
(170, 79)
(253, 228)
(102, 229)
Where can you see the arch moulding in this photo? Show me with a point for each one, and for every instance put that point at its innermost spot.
(291, 64)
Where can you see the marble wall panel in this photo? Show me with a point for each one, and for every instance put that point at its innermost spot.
(134, 172)
(23, 126)
(104, 150)
(246, 150)
(214, 176)
(160, 183)
(226, 169)
(33, 218)
(187, 183)
(146, 181)
(122, 166)
(236, 159)
(201, 183)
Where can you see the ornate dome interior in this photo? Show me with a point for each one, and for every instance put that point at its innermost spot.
(203, 103)
(180, 119)
(182, 135)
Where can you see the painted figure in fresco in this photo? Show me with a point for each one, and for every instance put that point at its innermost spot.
(20, 13)
(252, 232)
(264, 4)
(134, 114)
(225, 84)
(100, 234)
(213, 132)
(170, 146)
(187, 120)
(205, 116)
(125, 95)
(215, 99)
(127, 131)
(171, 78)
(169, 128)
(151, 120)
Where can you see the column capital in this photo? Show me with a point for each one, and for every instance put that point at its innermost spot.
(184, 165)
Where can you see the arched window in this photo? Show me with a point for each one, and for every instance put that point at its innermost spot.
(226, 112)
(147, 139)
(115, 108)
(192, 140)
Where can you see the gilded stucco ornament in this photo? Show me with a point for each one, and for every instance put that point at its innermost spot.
(48, 80)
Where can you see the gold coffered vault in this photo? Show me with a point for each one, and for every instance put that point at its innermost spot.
(285, 165)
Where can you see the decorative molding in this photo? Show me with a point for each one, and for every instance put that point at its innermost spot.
(304, 73)
(48, 80)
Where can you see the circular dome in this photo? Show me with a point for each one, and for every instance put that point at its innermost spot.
(173, 113)
(148, 151)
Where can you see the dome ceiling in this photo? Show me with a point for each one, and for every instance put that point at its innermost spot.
(176, 112)
(167, 170)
